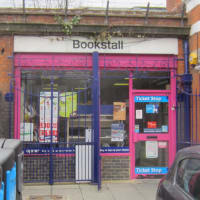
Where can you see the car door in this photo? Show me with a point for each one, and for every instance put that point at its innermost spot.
(182, 181)
(187, 180)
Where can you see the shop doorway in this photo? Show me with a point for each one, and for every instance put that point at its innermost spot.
(151, 127)
(151, 132)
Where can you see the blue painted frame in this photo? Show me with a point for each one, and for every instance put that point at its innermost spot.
(96, 118)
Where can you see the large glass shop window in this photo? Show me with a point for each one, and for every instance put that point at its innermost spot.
(114, 109)
(151, 114)
(57, 103)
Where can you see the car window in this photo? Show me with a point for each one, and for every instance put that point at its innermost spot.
(188, 177)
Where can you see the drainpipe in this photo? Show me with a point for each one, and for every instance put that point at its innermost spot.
(186, 56)
(187, 81)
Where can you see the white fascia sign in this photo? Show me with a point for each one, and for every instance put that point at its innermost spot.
(118, 45)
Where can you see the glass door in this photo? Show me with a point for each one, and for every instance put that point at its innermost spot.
(151, 132)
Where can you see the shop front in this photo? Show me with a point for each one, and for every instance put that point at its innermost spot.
(54, 106)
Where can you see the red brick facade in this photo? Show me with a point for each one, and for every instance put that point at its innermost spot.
(173, 5)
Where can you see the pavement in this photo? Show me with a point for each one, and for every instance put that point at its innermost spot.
(140, 189)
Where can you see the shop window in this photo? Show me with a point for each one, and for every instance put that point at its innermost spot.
(188, 177)
(114, 109)
(57, 102)
(145, 80)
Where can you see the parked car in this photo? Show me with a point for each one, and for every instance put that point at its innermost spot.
(183, 179)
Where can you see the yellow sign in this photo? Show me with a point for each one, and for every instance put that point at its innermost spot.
(68, 104)
(119, 111)
(193, 58)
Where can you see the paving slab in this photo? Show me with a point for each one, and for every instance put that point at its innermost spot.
(122, 191)
(147, 189)
(91, 192)
(115, 190)
(46, 197)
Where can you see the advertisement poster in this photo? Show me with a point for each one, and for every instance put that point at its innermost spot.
(162, 145)
(26, 131)
(137, 128)
(152, 124)
(88, 135)
(119, 111)
(151, 149)
(138, 114)
(117, 132)
(152, 108)
(68, 104)
(45, 117)
(164, 128)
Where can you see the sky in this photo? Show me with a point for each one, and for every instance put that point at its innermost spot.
(83, 3)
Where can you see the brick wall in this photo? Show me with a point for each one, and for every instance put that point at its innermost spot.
(173, 5)
(180, 69)
(115, 168)
(93, 17)
(6, 50)
(194, 43)
(194, 17)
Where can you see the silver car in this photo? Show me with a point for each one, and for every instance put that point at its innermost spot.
(183, 179)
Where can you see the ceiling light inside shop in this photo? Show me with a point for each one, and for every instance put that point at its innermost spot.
(128, 78)
(120, 84)
(79, 88)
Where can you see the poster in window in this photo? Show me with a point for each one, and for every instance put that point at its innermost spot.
(68, 104)
(152, 124)
(152, 108)
(138, 114)
(137, 128)
(151, 149)
(162, 145)
(26, 131)
(164, 128)
(117, 132)
(88, 135)
(119, 111)
(48, 117)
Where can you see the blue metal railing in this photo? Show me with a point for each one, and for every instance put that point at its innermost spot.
(188, 117)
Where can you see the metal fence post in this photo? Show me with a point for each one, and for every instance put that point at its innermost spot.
(24, 9)
(187, 81)
(51, 142)
(96, 117)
